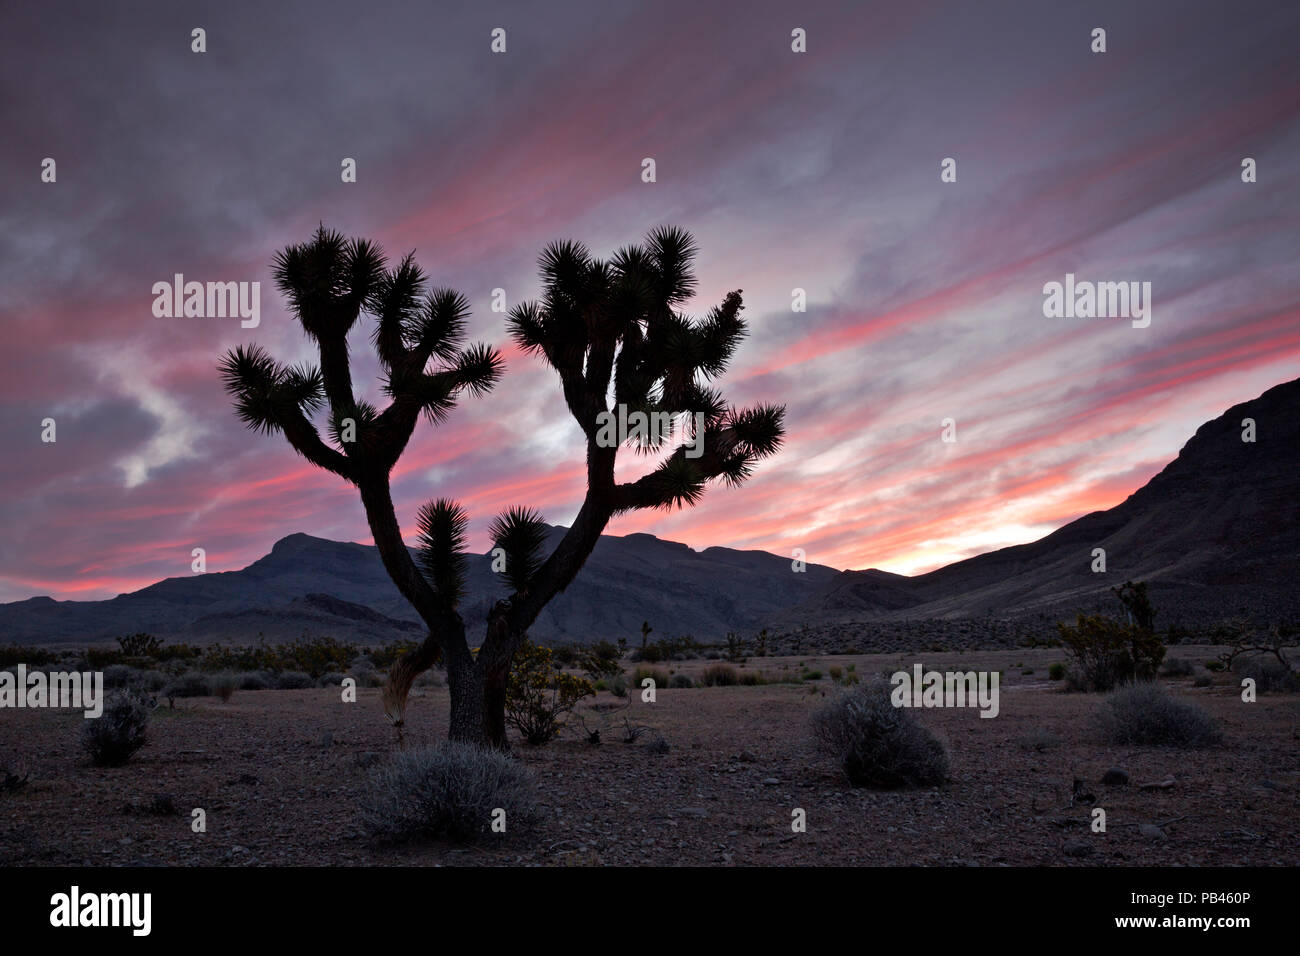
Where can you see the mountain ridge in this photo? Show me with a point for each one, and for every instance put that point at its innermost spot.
(1215, 533)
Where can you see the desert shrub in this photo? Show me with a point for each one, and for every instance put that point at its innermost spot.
(600, 662)
(427, 678)
(255, 680)
(224, 685)
(681, 681)
(99, 658)
(1056, 671)
(386, 656)
(150, 681)
(189, 684)
(115, 735)
(719, 675)
(1105, 653)
(448, 791)
(176, 652)
(836, 672)
(751, 678)
(1269, 673)
(565, 655)
(332, 679)
(14, 654)
(812, 675)
(118, 676)
(650, 654)
(538, 697)
(293, 680)
(139, 645)
(660, 677)
(1145, 714)
(316, 656)
(876, 744)
(618, 686)
(1178, 667)
(1202, 680)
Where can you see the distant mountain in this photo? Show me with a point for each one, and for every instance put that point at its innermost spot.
(1216, 535)
(341, 589)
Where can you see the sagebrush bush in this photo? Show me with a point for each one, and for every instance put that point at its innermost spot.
(254, 680)
(1145, 714)
(1269, 673)
(115, 735)
(293, 680)
(118, 676)
(1178, 667)
(876, 744)
(189, 684)
(658, 675)
(681, 681)
(223, 685)
(720, 675)
(148, 680)
(448, 791)
(332, 679)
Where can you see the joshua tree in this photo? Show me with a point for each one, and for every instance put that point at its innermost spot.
(329, 282)
(611, 329)
(607, 327)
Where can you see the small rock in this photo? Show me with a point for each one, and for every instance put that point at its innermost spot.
(1151, 831)
(693, 812)
(1115, 777)
(1079, 849)
(327, 739)
(1268, 785)
(771, 781)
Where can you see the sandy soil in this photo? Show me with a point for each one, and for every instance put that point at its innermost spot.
(279, 774)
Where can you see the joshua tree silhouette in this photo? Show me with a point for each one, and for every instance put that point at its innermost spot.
(610, 328)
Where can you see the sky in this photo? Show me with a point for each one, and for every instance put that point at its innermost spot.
(816, 170)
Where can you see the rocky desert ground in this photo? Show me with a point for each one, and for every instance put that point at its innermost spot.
(714, 780)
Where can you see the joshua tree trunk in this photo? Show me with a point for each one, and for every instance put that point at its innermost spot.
(446, 630)
(465, 681)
